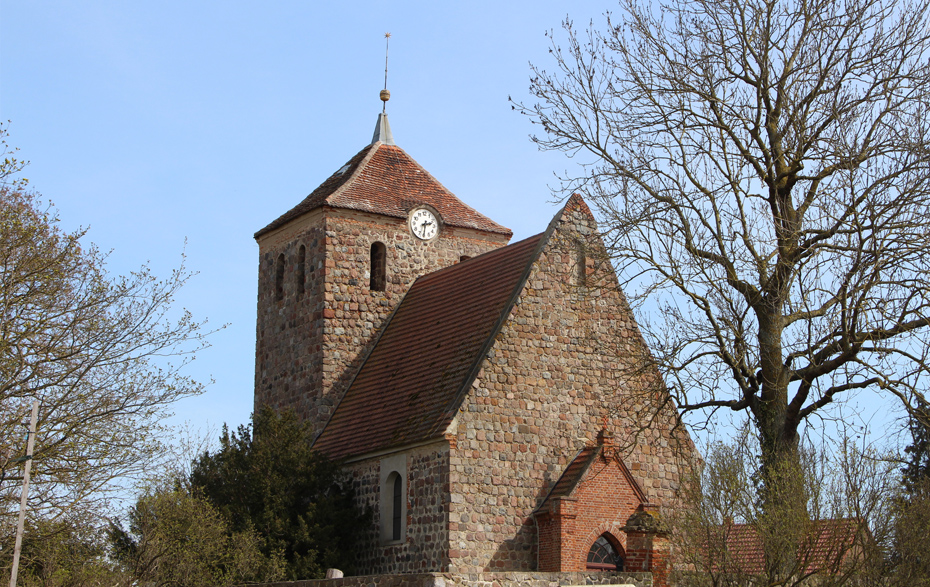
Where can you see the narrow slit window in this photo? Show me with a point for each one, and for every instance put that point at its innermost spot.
(301, 269)
(279, 278)
(397, 509)
(378, 267)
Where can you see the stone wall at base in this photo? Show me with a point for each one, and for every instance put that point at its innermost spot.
(424, 546)
(614, 579)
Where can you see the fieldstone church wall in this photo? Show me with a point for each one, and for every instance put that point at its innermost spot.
(558, 372)
(612, 579)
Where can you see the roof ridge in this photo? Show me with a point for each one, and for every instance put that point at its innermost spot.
(372, 149)
(493, 252)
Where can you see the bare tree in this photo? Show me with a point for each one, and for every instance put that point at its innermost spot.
(723, 536)
(93, 348)
(762, 172)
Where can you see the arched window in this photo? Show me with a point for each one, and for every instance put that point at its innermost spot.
(605, 554)
(279, 278)
(301, 269)
(392, 500)
(378, 267)
(581, 261)
(397, 509)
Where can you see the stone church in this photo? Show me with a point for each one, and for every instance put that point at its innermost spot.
(486, 398)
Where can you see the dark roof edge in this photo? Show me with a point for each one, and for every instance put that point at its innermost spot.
(502, 319)
(281, 221)
(545, 500)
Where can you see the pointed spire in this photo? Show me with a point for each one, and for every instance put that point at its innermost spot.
(383, 131)
(383, 128)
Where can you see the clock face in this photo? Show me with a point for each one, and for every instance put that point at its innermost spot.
(424, 224)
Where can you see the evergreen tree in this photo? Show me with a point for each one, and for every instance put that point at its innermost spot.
(269, 479)
(917, 470)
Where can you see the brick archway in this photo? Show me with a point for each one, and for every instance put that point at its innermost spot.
(613, 528)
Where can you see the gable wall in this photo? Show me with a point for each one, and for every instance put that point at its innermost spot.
(309, 346)
(552, 376)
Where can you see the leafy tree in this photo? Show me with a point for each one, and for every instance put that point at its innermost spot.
(762, 171)
(177, 539)
(268, 479)
(91, 347)
(64, 552)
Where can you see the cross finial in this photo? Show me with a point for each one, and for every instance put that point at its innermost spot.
(385, 94)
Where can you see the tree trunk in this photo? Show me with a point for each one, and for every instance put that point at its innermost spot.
(781, 476)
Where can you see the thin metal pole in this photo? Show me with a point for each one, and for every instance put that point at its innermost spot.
(30, 445)
(387, 42)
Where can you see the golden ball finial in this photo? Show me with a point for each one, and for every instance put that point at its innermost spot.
(385, 95)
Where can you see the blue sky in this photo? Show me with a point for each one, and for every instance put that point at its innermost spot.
(152, 123)
(159, 123)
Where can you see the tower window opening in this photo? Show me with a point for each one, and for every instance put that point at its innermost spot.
(279, 278)
(378, 267)
(301, 269)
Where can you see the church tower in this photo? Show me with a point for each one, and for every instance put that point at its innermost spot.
(333, 268)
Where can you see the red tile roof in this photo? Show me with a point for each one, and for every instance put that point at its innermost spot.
(573, 473)
(413, 381)
(824, 551)
(385, 180)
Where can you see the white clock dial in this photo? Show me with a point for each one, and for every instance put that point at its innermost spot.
(424, 224)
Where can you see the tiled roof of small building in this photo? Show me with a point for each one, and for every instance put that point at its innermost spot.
(383, 179)
(411, 384)
(574, 472)
(823, 551)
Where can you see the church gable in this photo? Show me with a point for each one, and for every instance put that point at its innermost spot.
(581, 520)
(559, 370)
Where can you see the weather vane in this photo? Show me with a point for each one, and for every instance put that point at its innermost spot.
(385, 94)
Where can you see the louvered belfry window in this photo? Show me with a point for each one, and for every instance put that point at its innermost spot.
(378, 267)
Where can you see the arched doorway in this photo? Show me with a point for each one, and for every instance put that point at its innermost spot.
(605, 554)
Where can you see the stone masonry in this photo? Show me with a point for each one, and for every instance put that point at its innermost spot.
(309, 343)
(563, 365)
(551, 379)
